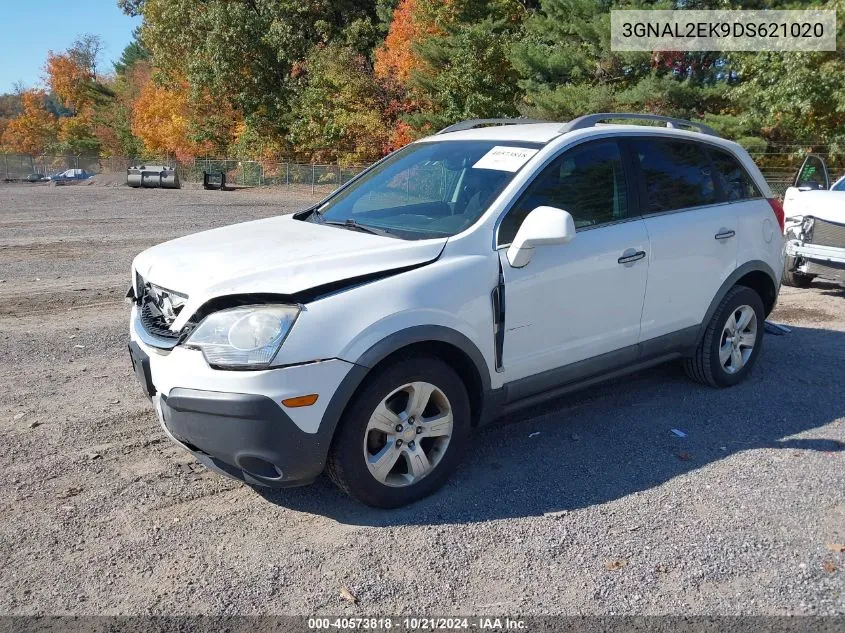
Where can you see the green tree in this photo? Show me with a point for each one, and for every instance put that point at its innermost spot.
(131, 55)
(338, 115)
(465, 68)
(794, 98)
(567, 69)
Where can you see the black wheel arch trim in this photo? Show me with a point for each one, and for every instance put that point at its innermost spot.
(731, 281)
(394, 343)
(424, 334)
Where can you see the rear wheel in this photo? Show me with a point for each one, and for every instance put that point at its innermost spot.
(795, 279)
(402, 434)
(731, 342)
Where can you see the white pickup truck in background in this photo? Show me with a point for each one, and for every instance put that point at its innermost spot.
(815, 226)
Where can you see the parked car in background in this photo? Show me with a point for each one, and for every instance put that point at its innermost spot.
(36, 178)
(479, 270)
(71, 174)
(815, 226)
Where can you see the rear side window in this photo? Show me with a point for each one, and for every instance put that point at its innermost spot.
(677, 175)
(733, 180)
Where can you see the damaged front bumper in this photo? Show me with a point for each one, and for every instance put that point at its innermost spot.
(234, 422)
(816, 247)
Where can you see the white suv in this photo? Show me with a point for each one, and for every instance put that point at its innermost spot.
(487, 267)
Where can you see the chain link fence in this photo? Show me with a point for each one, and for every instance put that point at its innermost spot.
(243, 173)
(317, 178)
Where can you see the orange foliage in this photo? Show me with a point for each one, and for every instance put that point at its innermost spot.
(401, 135)
(160, 118)
(396, 58)
(68, 80)
(34, 129)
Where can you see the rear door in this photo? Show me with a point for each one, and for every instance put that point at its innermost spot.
(692, 232)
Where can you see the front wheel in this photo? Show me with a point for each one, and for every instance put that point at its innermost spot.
(794, 278)
(731, 342)
(402, 434)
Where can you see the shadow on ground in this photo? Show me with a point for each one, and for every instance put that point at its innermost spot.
(830, 288)
(616, 439)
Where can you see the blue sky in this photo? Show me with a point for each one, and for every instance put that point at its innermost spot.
(29, 28)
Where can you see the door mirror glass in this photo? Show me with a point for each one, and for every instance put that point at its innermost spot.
(544, 225)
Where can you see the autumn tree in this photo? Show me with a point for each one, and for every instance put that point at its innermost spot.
(340, 113)
(397, 57)
(33, 130)
(248, 53)
(171, 118)
(160, 120)
(68, 80)
(71, 78)
(10, 107)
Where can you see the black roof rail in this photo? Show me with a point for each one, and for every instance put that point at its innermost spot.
(473, 123)
(590, 120)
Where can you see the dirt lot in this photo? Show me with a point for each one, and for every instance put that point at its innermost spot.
(589, 505)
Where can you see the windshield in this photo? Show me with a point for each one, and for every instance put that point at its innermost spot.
(839, 185)
(426, 190)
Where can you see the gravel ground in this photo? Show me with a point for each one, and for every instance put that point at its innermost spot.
(587, 505)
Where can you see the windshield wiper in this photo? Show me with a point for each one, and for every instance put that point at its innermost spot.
(353, 225)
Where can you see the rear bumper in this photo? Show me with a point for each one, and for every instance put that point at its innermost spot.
(244, 436)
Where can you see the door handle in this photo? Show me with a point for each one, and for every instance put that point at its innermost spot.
(724, 234)
(628, 257)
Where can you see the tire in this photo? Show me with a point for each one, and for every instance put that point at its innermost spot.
(795, 279)
(389, 398)
(706, 365)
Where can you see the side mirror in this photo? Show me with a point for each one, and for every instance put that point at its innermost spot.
(544, 225)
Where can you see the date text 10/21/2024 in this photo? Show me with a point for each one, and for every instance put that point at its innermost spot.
(418, 623)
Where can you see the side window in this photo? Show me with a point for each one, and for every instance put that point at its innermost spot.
(677, 175)
(588, 181)
(734, 181)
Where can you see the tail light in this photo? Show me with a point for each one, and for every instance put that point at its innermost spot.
(777, 208)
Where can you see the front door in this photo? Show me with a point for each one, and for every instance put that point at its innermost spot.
(583, 299)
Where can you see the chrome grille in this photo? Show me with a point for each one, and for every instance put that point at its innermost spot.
(158, 309)
(828, 234)
(154, 322)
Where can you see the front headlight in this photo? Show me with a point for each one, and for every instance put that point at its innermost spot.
(243, 337)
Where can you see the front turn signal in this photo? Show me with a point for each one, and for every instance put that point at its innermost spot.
(300, 401)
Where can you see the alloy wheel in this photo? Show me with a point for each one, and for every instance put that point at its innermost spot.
(408, 433)
(738, 338)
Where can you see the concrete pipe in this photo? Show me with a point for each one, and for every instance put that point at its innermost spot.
(153, 176)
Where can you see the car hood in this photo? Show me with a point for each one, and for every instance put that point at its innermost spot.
(825, 205)
(277, 255)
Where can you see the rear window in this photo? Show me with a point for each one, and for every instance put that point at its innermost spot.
(733, 180)
(677, 175)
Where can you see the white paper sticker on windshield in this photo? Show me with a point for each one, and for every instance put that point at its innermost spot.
(505, 158)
